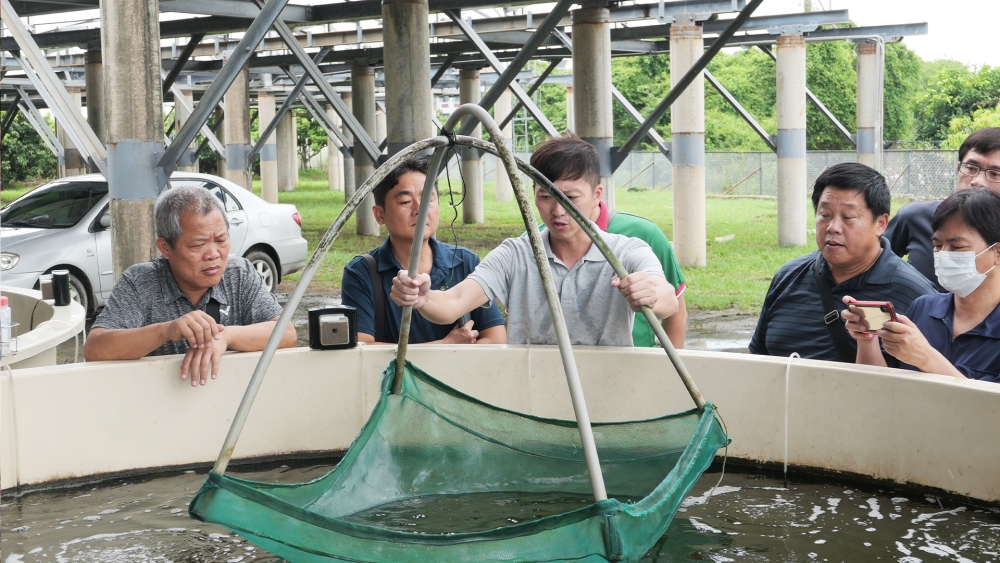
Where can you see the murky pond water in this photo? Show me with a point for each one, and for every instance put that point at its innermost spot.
(748, 519)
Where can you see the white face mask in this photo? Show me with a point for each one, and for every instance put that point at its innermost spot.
(957, 272)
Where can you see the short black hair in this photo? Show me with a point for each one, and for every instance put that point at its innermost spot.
(979, 208)
(984, 142)
(568, 158)
(859, 178)
(412, 164)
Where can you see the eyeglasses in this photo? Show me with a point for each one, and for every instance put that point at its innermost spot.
(973, 171)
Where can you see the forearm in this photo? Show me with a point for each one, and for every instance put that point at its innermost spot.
(676, 324)
(937, 363)
(666, 300)
(493, 335)
(253, 338)
(124, 344)
(440, 308)
(869, 353)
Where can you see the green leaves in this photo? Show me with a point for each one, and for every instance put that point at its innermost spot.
(25, 156)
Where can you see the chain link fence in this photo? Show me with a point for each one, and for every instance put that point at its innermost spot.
(913, 174)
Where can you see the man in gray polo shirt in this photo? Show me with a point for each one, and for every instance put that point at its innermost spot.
(587, 286)
(193, 300)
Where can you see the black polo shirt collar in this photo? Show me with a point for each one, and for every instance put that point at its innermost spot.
(882, 272)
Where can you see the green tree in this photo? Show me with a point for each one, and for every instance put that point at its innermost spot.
(831, 74)
(963, 125)
(902, 84)
(311, 138)
(954, 92)
(25, 155)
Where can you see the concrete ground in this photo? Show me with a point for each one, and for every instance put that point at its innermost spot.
(724, 331)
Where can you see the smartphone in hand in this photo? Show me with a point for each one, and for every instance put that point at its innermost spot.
(875, 312)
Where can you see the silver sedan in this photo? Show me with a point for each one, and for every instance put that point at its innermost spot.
(65, 225)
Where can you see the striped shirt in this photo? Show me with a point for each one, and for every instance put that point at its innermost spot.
(792, 317)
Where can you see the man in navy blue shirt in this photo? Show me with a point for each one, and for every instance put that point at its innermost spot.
(397, 200)
(909, 232)
(851, 202)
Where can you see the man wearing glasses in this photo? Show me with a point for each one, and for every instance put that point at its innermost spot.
(909, 232)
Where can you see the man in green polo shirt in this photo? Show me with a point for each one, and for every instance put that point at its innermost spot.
(571, 158)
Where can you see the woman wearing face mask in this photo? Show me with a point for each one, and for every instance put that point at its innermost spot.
(955, 333)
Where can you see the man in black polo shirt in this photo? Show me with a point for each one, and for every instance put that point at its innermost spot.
(909, 232)
(851, 202)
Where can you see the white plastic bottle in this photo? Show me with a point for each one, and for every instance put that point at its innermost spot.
(5, 325)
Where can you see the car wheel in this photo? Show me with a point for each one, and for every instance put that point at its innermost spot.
(265, 267)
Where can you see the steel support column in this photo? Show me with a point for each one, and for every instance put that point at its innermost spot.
(469, 87)
(73, 162)
(363, 94)
(593, 114)
(93, 70)
(531, 92)
(791, 94)
(33, 116)
(334, 158)
(504, 190)
(687, 121)
(269, 149)
(406, 58)
(288, 158)
(349, 183)
(871, 80)
(237, 129)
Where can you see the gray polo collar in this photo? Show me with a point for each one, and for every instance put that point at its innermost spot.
(593, 253)
(172, 292)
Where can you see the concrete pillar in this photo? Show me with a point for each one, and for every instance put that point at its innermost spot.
(269, 151)
(592, 113)
(93, 70)
(469, 87)
(871, 79)
(687, 122)
(407, 63)
(791, 95)
(189, 160)
(73, 164)
(349, 184)
(334, 158)
(570, 110)
(237, 126)
(288, 158)
(380, 126)
(130, 38)
(363, 95)
(505, 192)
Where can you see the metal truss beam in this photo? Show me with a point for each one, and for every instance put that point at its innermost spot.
(531, 91)
(806, 20)
(227, 8)
(768, 139)
(450, 60)
(268, 15)
(206, 132)
(507, 76)
(53, 91)
(622, 101)
(309, 101)
(515, 88)
(889, 33)
(38, 123)
(282, 110)
(361, 137)
(168, 81)
(8, 119)
(820, 106)
(618, 156)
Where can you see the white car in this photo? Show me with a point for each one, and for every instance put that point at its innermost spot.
(65, 225)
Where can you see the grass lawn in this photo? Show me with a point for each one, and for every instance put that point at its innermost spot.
(737, 276)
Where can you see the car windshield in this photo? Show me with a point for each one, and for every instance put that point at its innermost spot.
(58, 205)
